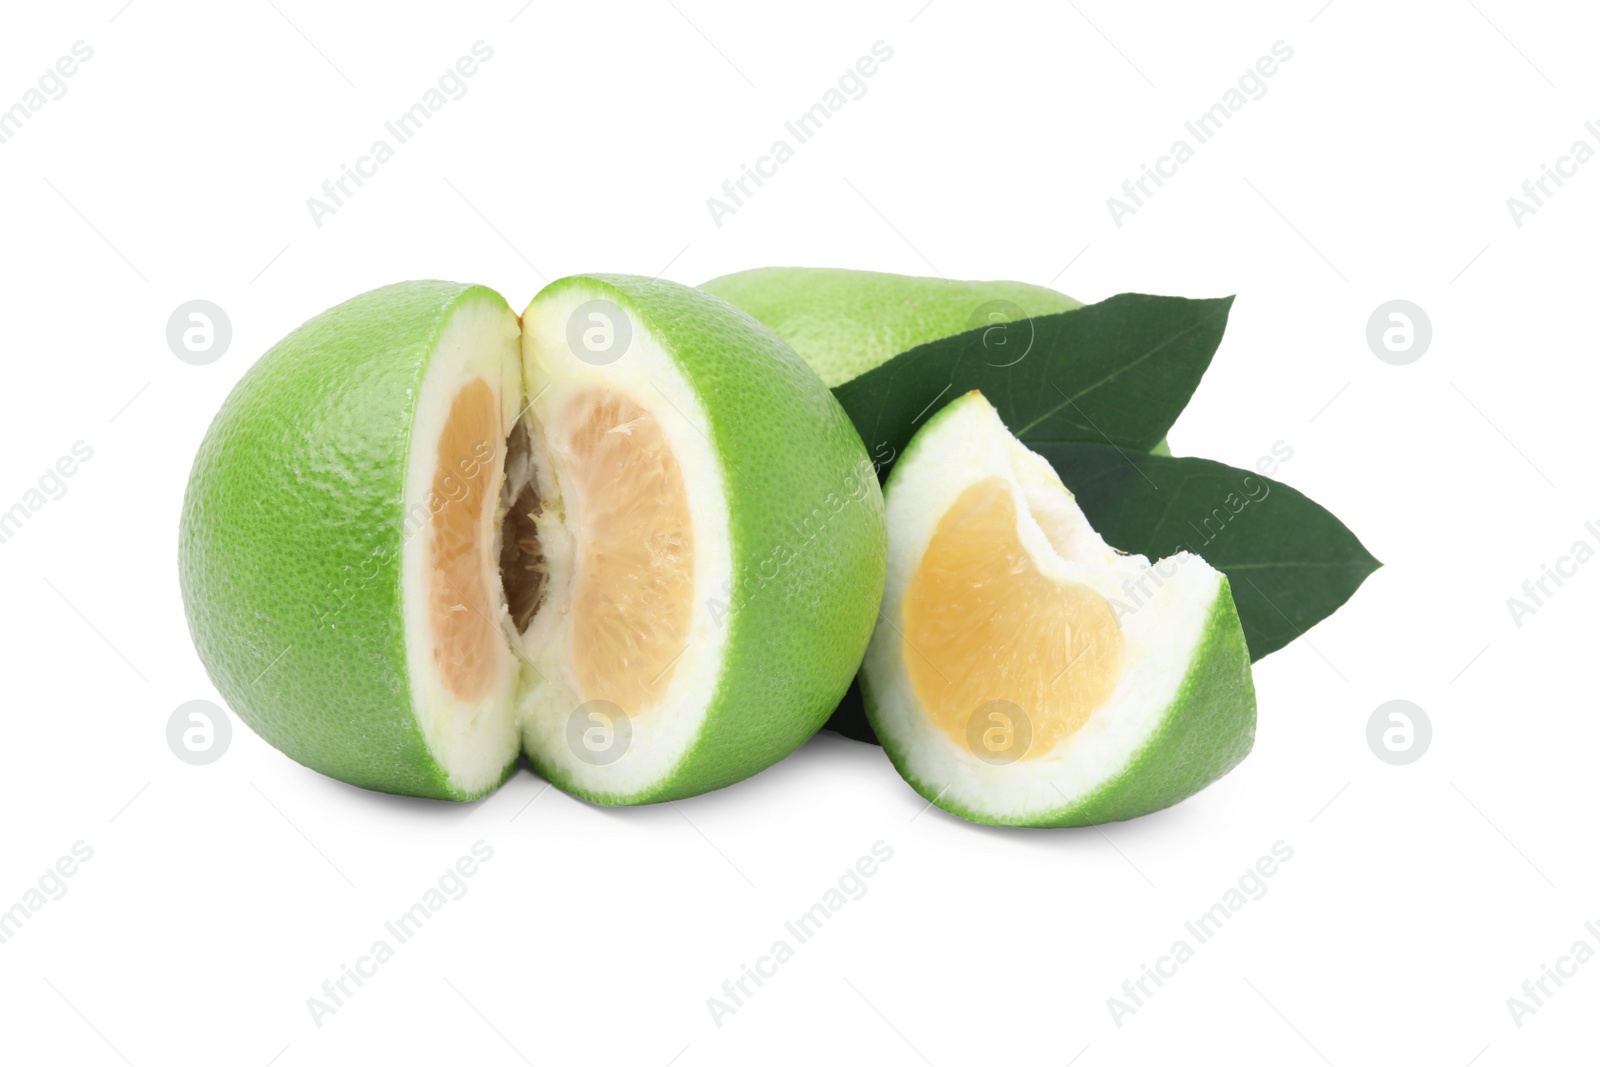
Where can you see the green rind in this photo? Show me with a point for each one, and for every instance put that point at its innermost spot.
(788, 448)
(846, 322)
(290, 537)
(1207, 729)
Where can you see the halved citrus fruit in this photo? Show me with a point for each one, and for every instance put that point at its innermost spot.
(633, 535)
(1025, 672)
(715, 541)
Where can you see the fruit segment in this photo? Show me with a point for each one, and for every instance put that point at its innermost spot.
(1027, 673)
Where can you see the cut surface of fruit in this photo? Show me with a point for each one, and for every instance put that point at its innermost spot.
(978, 590)
(1035, 676)
(460, 668)
(422, 536)
(846, 322)
(466, 642)
(633, 592)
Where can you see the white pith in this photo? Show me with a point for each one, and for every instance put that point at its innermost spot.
(535, 692)
(1162, 625)
(475, 742)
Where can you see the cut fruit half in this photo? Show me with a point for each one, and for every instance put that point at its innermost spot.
(1033, 675)
(337, 521)
(632, 535)
(713, 542)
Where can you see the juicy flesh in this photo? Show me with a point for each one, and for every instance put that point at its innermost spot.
(633, 582)
(983, 625)
(632, 590)
(467, 645)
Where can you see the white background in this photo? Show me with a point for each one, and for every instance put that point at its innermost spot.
(1377, 166)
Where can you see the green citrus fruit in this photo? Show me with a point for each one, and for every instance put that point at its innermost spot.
(846, 322)
(631, 534)
(1028, 674)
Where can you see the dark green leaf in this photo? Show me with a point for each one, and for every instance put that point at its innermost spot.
(1289, 561)
(1118, 371)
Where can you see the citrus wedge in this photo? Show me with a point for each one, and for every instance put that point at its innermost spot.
(1028, 674)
